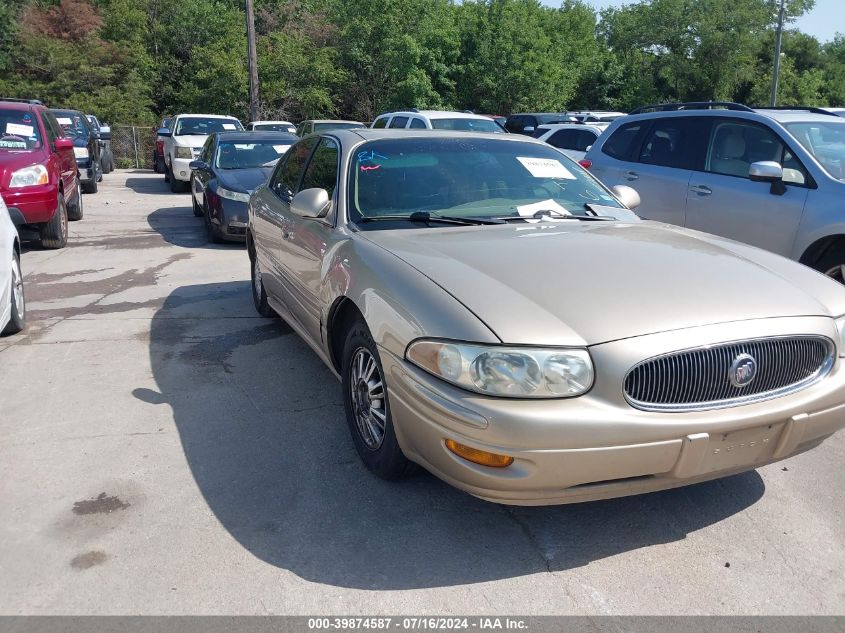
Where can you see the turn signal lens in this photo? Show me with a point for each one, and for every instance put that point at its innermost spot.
(479, 457)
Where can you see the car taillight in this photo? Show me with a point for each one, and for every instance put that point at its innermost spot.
(585, 163)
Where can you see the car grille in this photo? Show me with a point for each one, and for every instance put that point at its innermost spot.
(698, 379)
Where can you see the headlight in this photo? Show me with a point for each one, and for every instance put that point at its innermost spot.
(517, 372)
(840, 328)
(232, 195)
(80, 152)
(184, 152)
(28, 176)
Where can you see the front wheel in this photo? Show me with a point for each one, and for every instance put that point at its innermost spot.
(75, 211)
(832, 264)
(18, 318)
(365, 401)
(259, 294)
(53, 234)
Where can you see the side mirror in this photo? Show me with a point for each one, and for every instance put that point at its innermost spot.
(627, 195)
(197, 165)
(528, 129)
(105, 132)
(163, 131)
(768, 171)
(311, 203)
(63, 143)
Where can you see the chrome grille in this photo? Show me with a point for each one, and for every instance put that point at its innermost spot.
(698, 378)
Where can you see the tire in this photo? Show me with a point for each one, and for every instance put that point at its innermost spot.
(259, 294)
(166, 171)
(832, 264)
(176, 186)
(213, 234)
(53, 234)
(90, 187)
(75, 211)
(18, 320)
(365, 400)
(197, 208)
(100, 172)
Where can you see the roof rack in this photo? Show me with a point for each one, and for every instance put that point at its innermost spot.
(30, 101)
(811, 109)
(692, 105)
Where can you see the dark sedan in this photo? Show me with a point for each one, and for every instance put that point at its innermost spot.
(229, 168)
(86, 147)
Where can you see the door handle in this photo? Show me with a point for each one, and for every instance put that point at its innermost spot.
(701, 190)
(631, 175)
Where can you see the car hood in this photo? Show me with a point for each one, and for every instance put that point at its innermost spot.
(588, 283)
(190, 140)
(245, 180)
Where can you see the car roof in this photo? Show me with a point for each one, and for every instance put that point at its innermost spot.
(374, 134)
(436, 114)
(596, 126)
(19, 105)
(330, 121)
(207, 116)
(792, 116)
(263, 122)
(256, 136)
(780, 116)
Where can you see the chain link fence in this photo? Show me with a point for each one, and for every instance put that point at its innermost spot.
(133, 146)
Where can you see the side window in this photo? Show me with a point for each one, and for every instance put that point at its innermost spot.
(621, 142)
(398, 122)
(322, 168)
(417, 124)
(563, 139)
(514, 124)
(673, 142)
(52, 126)
(584, 139)
(380, 122)
(734, 145)
(285, 180)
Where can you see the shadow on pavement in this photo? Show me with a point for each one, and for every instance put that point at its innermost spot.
(153, 186)
(179, 226)
(262, 427)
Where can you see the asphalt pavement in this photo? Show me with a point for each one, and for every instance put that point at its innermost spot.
(166, 451)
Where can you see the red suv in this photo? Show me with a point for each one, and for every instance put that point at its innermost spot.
(38, 176)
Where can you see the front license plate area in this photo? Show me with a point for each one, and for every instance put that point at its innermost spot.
(741, 448)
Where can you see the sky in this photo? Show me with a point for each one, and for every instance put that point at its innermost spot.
(822, 22)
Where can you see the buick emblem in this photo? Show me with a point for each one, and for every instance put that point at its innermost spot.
(742, 371)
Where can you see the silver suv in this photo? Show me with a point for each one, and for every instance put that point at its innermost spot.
(773, 178)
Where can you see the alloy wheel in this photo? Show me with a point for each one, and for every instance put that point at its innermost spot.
(837, 272)
(368, 402)
(17, 288)
(256, 278)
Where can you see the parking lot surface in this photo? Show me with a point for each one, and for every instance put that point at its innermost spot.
(167, 451)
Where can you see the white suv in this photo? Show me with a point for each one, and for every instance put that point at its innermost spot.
(437, 120)
(573, 139)
(183, 142)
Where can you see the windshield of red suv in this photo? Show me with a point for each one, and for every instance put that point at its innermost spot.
(203, 126)
(18, 130)
(74, 124)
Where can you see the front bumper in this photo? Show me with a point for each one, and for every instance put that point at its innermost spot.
(595, 447)
(179, 168)
(229, 218)
(85, 166)
(35, 204)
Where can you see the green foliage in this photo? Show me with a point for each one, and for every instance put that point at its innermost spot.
(131, 61)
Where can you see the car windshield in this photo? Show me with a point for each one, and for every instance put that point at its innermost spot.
(467, 125)
(339, 125)
(73, 124)
(203, 126)
(273, 127)
(18, 130)
(825, 141)
(251, 154)
(472, 178)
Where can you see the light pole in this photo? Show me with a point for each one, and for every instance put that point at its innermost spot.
(252, 61)
(773, 98)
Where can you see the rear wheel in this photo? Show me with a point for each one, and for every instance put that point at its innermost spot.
(18, 318)
(259, 295)
(91, 187)
(75, 210)
(365, 400)
(54, 233)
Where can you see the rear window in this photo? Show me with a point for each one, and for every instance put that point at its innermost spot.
(620, 143)
(467, 125)
(339, 125)
(19, 130)
(674, 142)
(380, 123)
(203, 126)
(399, 122)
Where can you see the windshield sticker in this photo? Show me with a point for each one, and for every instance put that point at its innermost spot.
(64, 120)
(12, 144)
(281, 149)
(19, 130)
(244, 146)
(371, 155)
(545, 210)
(229, 126)
(27, 118)
(545, 167)
(369, 167)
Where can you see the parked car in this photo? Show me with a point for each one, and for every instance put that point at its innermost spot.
(229, 168)
(12, 302)
(106, 156)
(314, 125)
(184, 140)
(498, 118)
(419, 273)
(437, 120)
(527, 122)
(271, 126)
(86, 147)
(158, 149)
(837, 111)
(38, 174)
(770, 178)
(595, 116)
(573, 139)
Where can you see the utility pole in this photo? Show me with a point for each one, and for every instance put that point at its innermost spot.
(252, 61)
(773, 98)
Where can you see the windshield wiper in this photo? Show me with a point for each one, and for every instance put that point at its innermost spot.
(426, 217)
(550, 213)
